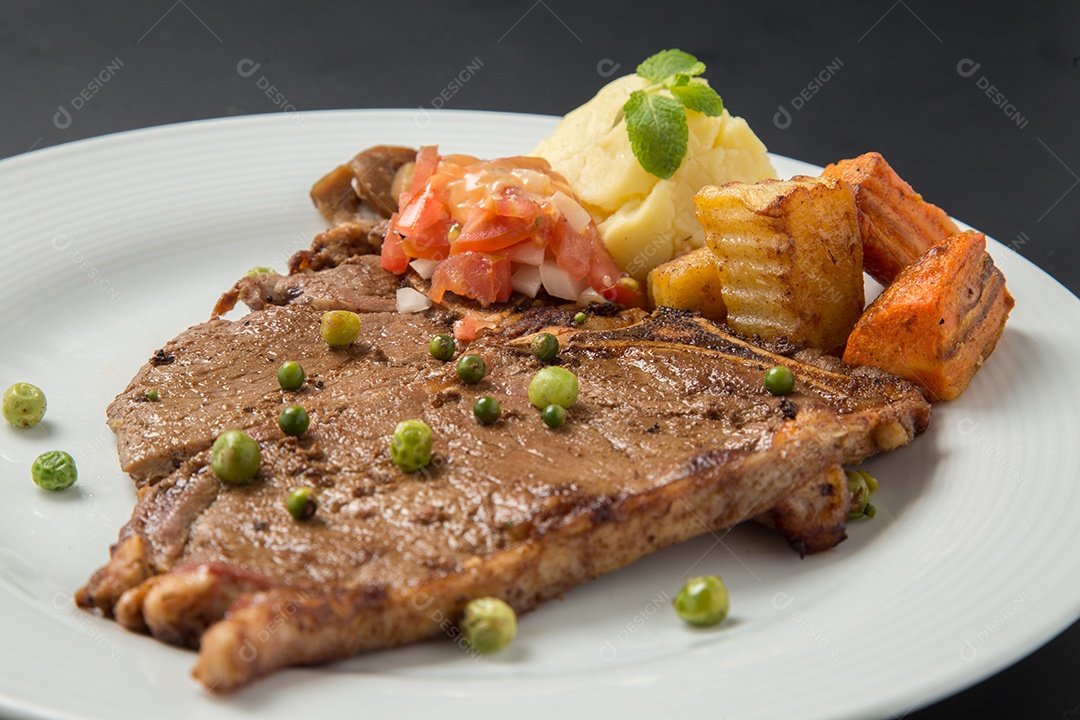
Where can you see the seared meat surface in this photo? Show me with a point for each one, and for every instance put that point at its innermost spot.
(673, 435)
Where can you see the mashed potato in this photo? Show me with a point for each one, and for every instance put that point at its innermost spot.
(644, 220)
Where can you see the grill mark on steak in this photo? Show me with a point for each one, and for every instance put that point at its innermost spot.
(513, 509)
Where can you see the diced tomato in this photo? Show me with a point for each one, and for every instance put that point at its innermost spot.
(546, 229)
(486, 231)
(573, 251)
(432, 244)
(466, 328)
(485, 278)
(427, 158)
(620, 293)
(495, 205)
(603, 271)
(606, 277)
(513, 203)
(423, 211)
(393, 258)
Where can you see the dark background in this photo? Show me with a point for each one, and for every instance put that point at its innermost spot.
(903, 82)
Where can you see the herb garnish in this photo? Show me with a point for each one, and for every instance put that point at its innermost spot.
(656, 123)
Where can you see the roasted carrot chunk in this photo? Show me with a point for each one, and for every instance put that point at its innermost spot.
(896, 224)
(938, 321)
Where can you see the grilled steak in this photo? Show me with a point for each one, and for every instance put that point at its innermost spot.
(672, 436)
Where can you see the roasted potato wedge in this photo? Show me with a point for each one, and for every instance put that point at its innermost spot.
(938, 321)
(897, 225)
(789, 255)
(689, 282)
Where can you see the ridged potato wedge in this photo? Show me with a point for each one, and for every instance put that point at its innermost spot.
(789, 254)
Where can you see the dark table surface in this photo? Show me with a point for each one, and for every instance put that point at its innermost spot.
(976, 104)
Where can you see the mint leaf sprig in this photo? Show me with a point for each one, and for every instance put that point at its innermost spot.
(655, 123)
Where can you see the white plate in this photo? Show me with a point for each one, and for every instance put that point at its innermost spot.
(116, 244)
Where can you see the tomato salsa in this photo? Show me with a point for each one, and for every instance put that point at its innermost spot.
(484, 229)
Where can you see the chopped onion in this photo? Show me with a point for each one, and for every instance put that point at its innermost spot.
(589, 297)
(536, 183)
(559, 284)
(527, 253)
(526, 280)
(577, 216)
(424, 268)
(411, 301)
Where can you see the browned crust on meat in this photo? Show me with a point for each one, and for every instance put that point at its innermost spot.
(814, 517)
(181, 604)
(334, 246)
(330, 249)
(712, 491)
(128, 568)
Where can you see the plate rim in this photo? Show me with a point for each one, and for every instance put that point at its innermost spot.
(1000, 659)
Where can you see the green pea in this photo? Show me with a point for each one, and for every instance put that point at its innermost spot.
(488, 624)
(703, 601)
(290, 376)
(293, 420)
(779, 380)
(260, 270)
(54, 470)
(234, 458)
(544, 347)
(153, 395)
(471, 368)
(302, 503)
(553, 386)
(340, 328)
(554, 416)
(410, 448)
(580, 318)
(24, 405)
(442, 347)
(862, 486)
(486, 410)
